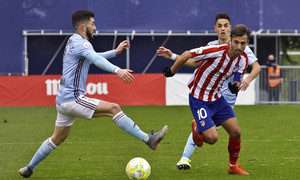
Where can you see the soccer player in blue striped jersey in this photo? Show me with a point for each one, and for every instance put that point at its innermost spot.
(71, 101)
(223, 28)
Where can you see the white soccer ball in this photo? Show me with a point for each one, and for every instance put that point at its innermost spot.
(138, 168)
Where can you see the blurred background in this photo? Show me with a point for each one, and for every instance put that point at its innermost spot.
(34, 33)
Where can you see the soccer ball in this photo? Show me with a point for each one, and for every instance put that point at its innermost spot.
(138, 168)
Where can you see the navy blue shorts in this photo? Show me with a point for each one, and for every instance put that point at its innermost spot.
(209, 114)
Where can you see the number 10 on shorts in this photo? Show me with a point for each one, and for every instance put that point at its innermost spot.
(202, 114)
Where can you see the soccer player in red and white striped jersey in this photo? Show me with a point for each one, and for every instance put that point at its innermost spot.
(215, 68)
(209, 108)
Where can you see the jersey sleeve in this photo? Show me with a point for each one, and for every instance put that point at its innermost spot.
(108, 54)
(206, 52)
(83, 48)
(251, 56)
(101, 62)
(86, 50)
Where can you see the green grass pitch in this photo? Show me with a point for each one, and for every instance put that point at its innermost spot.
(98, 149)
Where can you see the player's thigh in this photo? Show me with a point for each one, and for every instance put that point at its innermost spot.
(232, 127)
(105, 108)
(202, 114)
(63, 119)
(222, 111)
(83, 107)
(211, 135)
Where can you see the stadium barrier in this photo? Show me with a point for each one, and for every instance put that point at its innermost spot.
(177, 91)
(288, 90)
(147, 89)
(36, 90)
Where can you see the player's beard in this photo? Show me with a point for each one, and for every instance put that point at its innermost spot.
(89, 34)
(238, 52)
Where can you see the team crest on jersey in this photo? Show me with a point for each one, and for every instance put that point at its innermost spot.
(199, 50)
(202, 123)
(86, 44)
(235, 69)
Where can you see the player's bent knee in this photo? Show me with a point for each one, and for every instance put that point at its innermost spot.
(211, 139)
(115, 108)
(236, 134)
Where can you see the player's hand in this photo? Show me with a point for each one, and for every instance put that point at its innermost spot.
(168, 72)
(123, 45)
(245, 84)
(234, 89)
(125, 75)
(164, 52)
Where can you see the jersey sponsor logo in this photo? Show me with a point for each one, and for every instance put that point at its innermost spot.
(100, 88)
(86, 44)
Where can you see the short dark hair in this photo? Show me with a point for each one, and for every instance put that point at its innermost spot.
(81, 15)
(222, 16)
(240, 30)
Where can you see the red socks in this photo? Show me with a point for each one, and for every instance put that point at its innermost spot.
(234, 147)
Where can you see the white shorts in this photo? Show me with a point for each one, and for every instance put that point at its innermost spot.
(83, 107)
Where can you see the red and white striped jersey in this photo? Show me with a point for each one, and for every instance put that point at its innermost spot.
(215, 67)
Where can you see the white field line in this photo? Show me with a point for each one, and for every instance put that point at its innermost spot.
(97, 142)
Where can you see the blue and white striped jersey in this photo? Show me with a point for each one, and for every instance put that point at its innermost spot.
(79, 54)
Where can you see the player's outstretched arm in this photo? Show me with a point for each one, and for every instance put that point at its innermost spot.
(123, 45)
(125, 75)
(101, 62)
(107, 54)
(254, 72)
(181, 61)
(164, 52)
(113, 53)
(167, 53)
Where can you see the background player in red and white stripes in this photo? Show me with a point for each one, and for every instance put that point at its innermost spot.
(209, 108)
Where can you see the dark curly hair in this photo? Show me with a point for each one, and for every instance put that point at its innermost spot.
(222, 16)
(240, 30)
(81, 15)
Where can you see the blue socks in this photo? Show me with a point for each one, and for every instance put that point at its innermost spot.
(189, 147)
(129, 126)
(44, 150)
